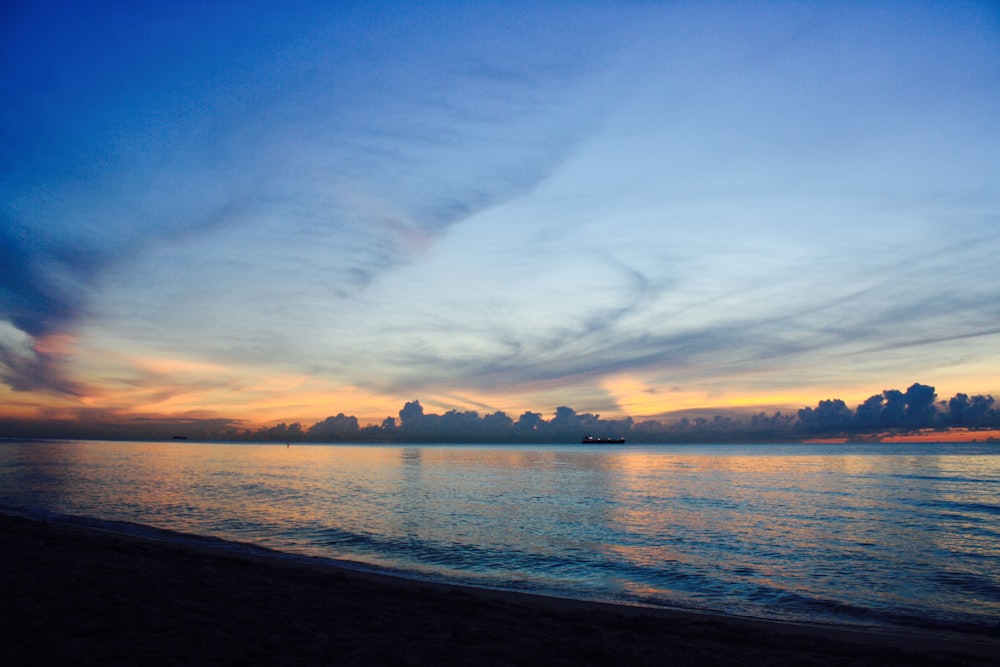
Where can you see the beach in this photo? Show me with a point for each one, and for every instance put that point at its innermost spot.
(79, 595)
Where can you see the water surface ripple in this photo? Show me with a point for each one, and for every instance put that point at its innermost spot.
(884, 535)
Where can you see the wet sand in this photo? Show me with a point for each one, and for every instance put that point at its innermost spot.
(77, 595)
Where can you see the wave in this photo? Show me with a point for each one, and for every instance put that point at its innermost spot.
(567, 576)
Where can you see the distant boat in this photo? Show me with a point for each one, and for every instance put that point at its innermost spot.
(180, 437)
(590, 440)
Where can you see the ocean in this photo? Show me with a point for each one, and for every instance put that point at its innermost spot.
(875, 535)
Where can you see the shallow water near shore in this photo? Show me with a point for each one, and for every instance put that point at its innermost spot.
(874, 535)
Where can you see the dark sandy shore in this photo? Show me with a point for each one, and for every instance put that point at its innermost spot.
(74, 595)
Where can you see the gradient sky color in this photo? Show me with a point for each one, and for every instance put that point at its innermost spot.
(281, 211)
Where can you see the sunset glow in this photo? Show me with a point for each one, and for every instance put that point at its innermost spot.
(259, 215)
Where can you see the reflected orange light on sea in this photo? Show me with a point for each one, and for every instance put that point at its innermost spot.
(670, 501)
(792, 532)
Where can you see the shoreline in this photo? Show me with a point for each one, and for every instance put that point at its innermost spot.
(89, 595)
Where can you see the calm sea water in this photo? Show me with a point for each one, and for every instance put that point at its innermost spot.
(874, 535)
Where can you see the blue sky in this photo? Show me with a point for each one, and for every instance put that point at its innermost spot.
(271, 212)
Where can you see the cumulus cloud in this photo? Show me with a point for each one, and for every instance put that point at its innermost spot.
(488, 198)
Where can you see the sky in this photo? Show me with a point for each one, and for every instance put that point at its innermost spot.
(280, 211)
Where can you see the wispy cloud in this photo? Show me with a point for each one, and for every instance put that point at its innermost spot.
(485, 200)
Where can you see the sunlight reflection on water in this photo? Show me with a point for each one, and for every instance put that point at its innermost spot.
(863, 534)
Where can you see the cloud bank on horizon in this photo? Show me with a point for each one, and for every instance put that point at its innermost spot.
(244, 210)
